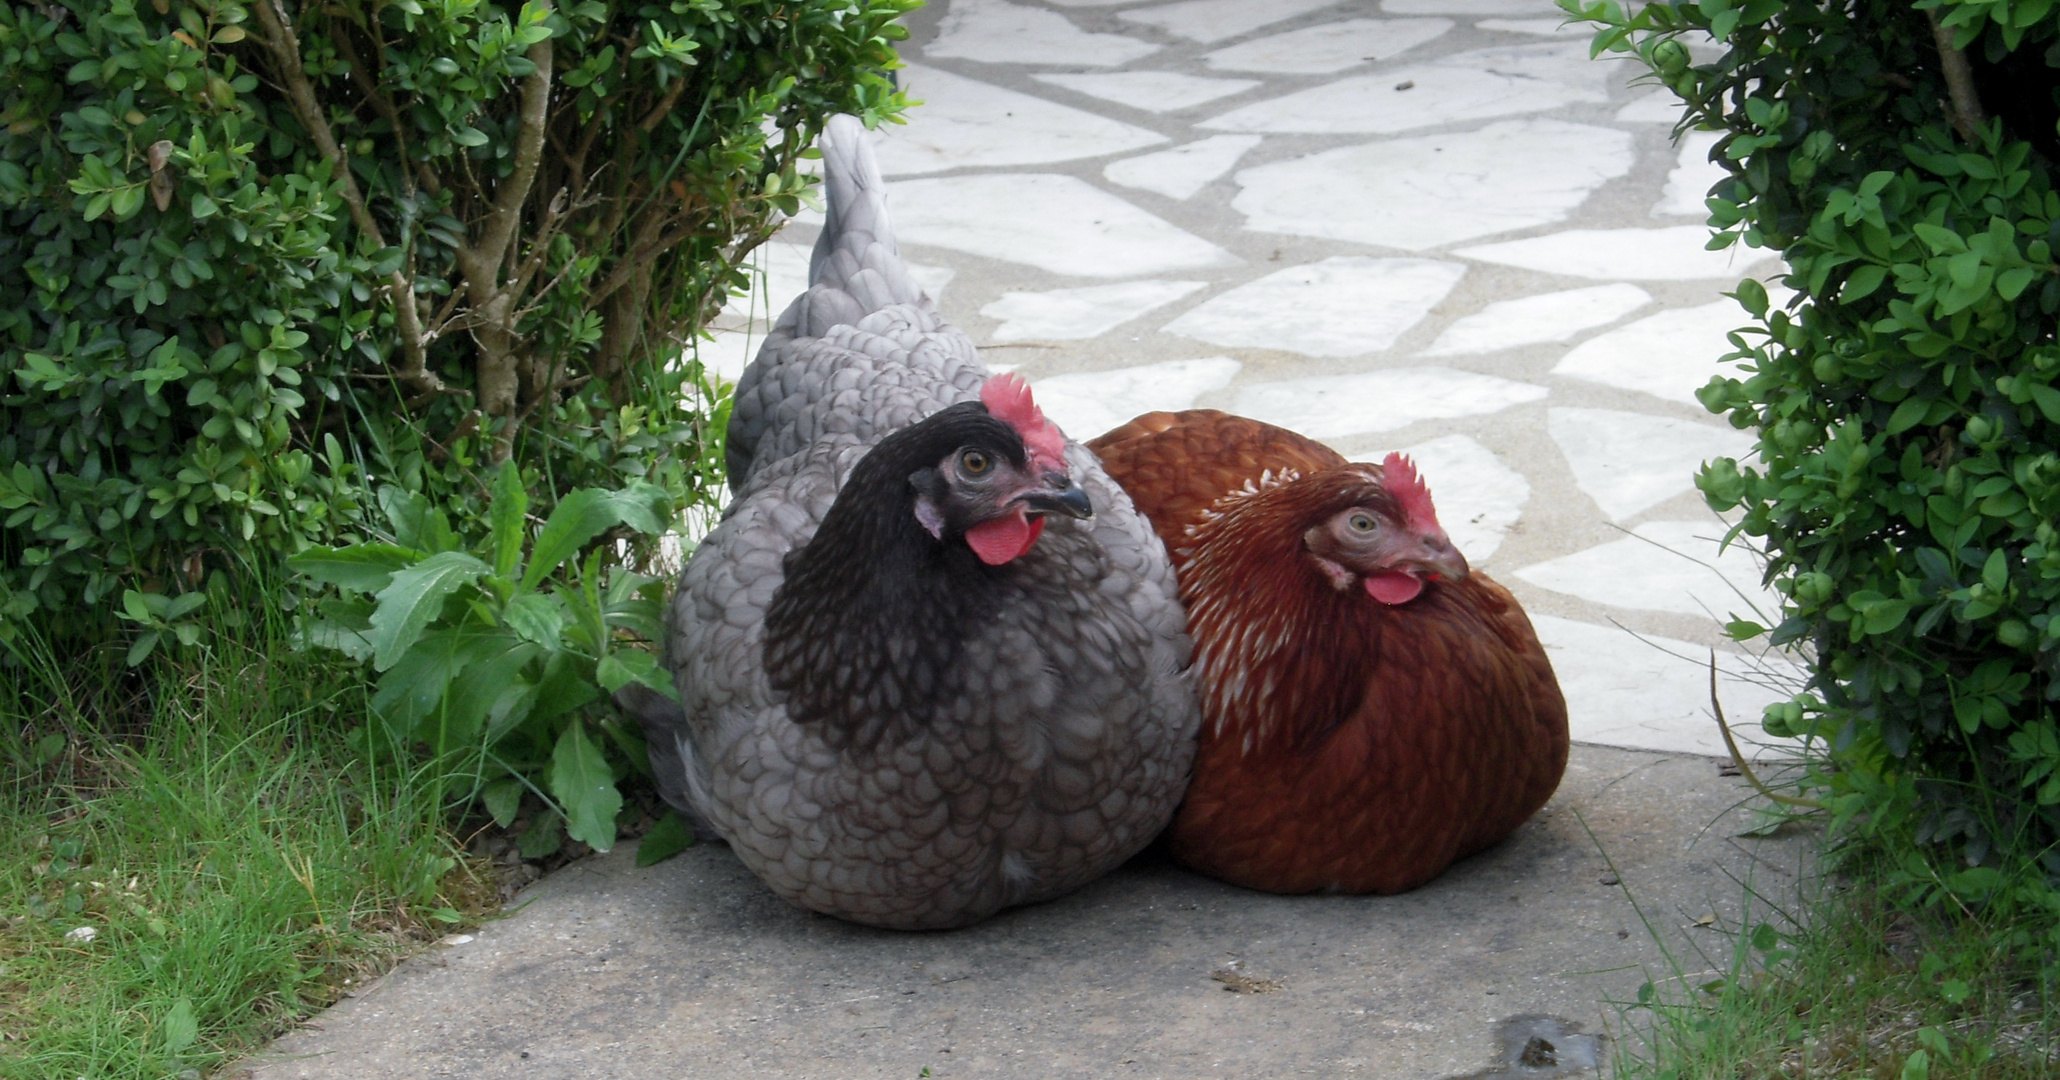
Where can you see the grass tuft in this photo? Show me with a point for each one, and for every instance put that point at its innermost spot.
(197, 853)
(1857, 988)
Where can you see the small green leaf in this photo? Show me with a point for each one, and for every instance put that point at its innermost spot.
(1908, 414)
(2048, 400)
(1886, 616)
(1995, 571)
(1753, 295)
(584, 785)
(181, 1027)
(667, 838)
(140, 651)
(1861, 282)
(135, 608)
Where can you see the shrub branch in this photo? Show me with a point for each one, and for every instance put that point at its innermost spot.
(284, 46)
(1964, 104)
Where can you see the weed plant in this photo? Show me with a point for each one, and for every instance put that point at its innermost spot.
(197, 852)
(1842, 982)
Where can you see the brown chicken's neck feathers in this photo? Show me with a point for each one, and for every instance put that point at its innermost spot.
(1284, 654)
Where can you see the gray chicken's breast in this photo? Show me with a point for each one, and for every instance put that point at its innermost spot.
(1073, 748)
(888, 723)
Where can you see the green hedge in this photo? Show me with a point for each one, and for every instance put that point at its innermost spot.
(256, 261)
(1907, 484)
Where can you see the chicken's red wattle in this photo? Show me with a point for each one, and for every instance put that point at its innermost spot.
(1004, 539)
(1393, 587)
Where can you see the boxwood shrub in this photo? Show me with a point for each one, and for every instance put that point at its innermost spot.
(1899, 156)
(259, 260)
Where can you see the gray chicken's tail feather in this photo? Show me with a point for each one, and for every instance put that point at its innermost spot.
(664, 728)
(857, 281)
(856, 268)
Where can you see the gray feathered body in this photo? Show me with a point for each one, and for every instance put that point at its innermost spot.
(944, 738)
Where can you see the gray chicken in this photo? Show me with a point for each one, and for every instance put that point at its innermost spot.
(932, 663)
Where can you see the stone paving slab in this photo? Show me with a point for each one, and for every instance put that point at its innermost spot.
(692, 969)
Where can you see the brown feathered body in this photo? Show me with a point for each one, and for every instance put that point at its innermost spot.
(1348, 744)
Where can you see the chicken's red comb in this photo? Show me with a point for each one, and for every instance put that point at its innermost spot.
(1408, 489)
(1008, 397)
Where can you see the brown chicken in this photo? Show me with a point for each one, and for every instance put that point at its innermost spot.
(1372, 710)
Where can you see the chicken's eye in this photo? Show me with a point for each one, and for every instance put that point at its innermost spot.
(1362, 523)
(975, 463)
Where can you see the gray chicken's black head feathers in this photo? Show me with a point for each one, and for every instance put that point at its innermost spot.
(863, 634)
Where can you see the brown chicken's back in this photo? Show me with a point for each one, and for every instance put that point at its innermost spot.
(1346, 745)
(1176, 465)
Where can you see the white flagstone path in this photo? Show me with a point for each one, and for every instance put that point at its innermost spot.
(1433, 226)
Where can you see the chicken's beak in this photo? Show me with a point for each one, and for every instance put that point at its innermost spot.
(1059, 496)
(1439, 559)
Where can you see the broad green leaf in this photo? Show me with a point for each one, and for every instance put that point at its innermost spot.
(578, 518)
(344, 624)
(410, 691)
(613, 674)
(587, 513)
(490, 670)
(405, 512)
(181, 1027)
(1995, 570)
(543, 838)
(510, 708)
(584, 785)
(510, 505)
(415, 597)
(622, 667)
(365, 568)
(537, 618)
(667, 838)
(503, 799)
(1886, 616)
(567, 684)
(416, 522)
